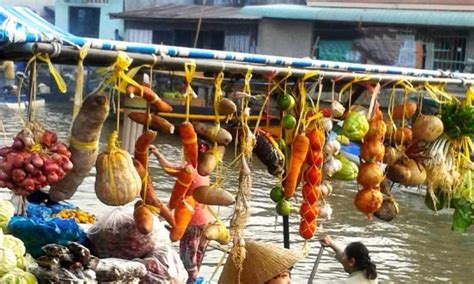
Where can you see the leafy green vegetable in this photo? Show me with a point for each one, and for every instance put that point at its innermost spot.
(18, 276)
(463, 214)
(458, 119)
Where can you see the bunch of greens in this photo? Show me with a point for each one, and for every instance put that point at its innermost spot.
(458, 119)
(463, 204)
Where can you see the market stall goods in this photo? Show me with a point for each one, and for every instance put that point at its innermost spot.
(299, 150)
(154, 121)
(117, 181)
(188, 137)
(213, 133)
(150, 96)
(84, 147)
(209, 160)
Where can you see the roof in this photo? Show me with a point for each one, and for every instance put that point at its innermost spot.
(185, 12)
(364, 15)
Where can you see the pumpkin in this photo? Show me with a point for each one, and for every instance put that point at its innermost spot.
(117, 182)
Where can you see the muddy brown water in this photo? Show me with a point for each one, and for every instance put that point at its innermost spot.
(418, 246)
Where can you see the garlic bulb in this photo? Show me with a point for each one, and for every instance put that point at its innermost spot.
(327, 124)
(325, 211)
(337, 109)
(325, 188)
(332, 147)
(331, 166)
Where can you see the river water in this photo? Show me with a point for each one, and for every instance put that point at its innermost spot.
(418, 246)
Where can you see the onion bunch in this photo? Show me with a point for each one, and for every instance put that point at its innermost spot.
(34, 160)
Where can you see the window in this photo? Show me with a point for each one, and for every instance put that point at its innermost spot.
(207, 39)
(84, 21)
(163, 37)
(449, 53)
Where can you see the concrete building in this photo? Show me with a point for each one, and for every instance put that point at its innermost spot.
(90, 18)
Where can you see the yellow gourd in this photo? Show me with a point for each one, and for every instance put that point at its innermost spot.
(117, 181)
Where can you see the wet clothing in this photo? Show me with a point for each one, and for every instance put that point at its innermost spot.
(191, 249)
(358, 277)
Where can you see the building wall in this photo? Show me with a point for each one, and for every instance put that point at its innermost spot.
(285, 38)
(36, 5)
(107, 25)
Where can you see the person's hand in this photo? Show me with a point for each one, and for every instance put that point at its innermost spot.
(326, 241)
(154, 150)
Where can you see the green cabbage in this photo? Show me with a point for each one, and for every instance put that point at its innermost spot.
(24, 262)
(6, 213)
(15, 244)
(348, 171)
(18, 276)
(7, 260)
(355, 126)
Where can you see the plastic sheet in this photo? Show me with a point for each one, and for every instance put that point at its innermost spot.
(119, 270)
(164, 266)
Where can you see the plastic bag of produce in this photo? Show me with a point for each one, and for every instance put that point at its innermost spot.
(37, 232)
(116, 235)
(6, 213)
(18, 276)
(46, 210)
(355, 126)
(164, 265)
(348, 171)
(116, 270)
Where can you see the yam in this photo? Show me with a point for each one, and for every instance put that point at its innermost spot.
(208, 161)
(213, 133)
(227, 107)
(213, 196)
(156, 122)
(84, 147)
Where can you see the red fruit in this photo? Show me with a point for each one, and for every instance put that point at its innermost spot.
(307, 229)
(309, 211)
(312, 175)
(311, 193)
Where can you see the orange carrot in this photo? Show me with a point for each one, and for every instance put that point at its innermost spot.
(149, 195)
(182, 214)
(299, 150)
(150, 96)
(156, 122)
(189, 140)
(142, 144)
(181, 186)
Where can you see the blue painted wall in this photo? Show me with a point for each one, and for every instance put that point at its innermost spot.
(107, 25)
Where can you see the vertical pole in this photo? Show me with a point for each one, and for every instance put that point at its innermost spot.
(31, 89)
(286, 232)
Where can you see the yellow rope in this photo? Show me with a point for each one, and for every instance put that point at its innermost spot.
(83, 145)
(189, 69)
(78, 95)
(54, 72)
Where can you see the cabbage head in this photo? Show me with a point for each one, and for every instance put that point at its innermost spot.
(7, 260)
(18, 276)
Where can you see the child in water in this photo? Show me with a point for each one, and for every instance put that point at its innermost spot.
(355, 259)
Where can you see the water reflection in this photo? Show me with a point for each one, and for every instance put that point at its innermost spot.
(416, 246)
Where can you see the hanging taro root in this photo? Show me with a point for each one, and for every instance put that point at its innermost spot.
(84, 148)
(369, 198)
(117, 181)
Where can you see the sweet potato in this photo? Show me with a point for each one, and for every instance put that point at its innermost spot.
(181, 186)
(143, 218)
(142, 144)
(150, 96)
(156, 122)
(208, 161)
(190, 145)
(212, 133)
(213, 196)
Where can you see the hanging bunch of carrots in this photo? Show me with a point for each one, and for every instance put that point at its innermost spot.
(309, 207)
(369, 198)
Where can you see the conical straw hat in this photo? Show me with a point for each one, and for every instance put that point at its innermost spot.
(263, 261)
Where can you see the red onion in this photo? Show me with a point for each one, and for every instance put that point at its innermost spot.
(53, 177)
(67, 165)
(9, 185)
(4, 176)
(2, 183)
(18, 175)
(16, 159)
(28, 184)
(18, 144)
(29, 168)
(49, 138)
(4, 151)
(42, 179)
(50, 167)
(37, 161)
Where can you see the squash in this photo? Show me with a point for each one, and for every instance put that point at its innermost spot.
(117, 181)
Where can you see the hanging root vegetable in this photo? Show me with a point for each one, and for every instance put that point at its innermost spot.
(227, 107)
(268, 152)
(427, 128)
(213, 133)
(218, 232)
(34, 160)
(369, 198)
(404, 110)
(84, 147)
(156, 122)
(181, 186)
(117, 181)
(209, 160)
(299, 150)
(149, 196)
(150, 96)
(309, 209)
(213, 196)
(190, 144)
(182, 214)
(143, 218)
(142, 144)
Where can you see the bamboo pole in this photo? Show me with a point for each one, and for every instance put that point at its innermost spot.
(97, 57)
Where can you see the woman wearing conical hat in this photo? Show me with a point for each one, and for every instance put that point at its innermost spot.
(264, 263)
